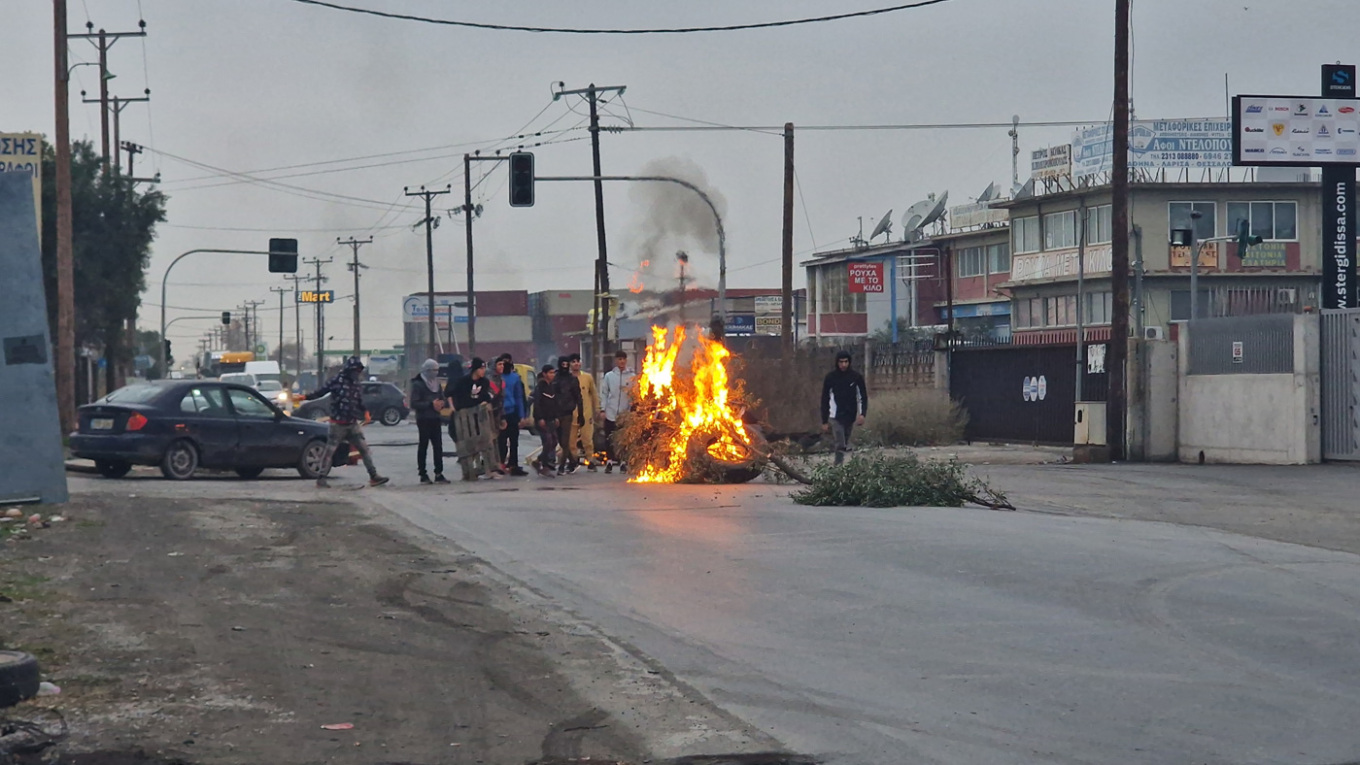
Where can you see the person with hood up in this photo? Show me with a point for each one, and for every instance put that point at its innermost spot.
(427, 401)
(347, 419)
(569, 413)
(546, 413)
(476, 431)
(515, 411)
(844, 403)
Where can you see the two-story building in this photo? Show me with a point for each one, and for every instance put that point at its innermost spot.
(862, 289)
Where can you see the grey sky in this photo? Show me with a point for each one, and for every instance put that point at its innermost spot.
(248, 85)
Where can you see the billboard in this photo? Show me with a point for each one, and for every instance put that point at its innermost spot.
(1052, 162)
(1155, 144)
(866, 277)
(416, 309)
(22, 153)
(1295, 131)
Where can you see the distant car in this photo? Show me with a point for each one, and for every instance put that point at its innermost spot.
(384, 402)
(274, 391)
(239, 378)
(182, 425)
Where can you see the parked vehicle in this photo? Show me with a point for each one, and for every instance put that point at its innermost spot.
(182, 425)
(384, 402)
(274, 391)
(265, 370)
(239, 378)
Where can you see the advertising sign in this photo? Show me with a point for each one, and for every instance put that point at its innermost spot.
(1294, 131)
(416, 308)
(1155, 144)
(1052, 162)
(769, 325)
(1060, 263)
(866, 277)
(1338, 236)
(315, 296)
(1208, 255)
(22, 153)
(1267, 255)
(740, 325)
(977, 214)
(1338, 81)
(767, 304)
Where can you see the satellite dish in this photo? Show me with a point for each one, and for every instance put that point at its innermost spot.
(989, 194)
(884, 226)
(936, 211)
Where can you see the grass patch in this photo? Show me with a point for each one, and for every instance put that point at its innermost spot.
(897, 481)
(23, 587)
(913, 417)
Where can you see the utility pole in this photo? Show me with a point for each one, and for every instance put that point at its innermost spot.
(116, 108)
(786, 288)
(281, 292)
(297, 322)
(429, 260)
(253, 338)
(470, 212)
(1117, 405)
(354, 265)
(102, 41)
(592, 95)
(320, 320)
(66, 311)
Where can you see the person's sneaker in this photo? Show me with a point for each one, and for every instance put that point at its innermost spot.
(608, 468)
(439, 478)
(518, 472)
(378, 480)
(425, 480)
(322, 483)
(546, 472)
(561, 469)
(574, 468)
(592, 468)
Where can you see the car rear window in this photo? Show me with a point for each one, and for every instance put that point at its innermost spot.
(134, 394)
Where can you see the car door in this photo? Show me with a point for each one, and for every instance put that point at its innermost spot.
(205, 417)
(373, 403)
(256, 421)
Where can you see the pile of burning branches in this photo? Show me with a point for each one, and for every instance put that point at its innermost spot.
(687, 425)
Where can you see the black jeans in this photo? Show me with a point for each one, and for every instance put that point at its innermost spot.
(431, 434)
(564, 423)
(507, 443)
(610, 427)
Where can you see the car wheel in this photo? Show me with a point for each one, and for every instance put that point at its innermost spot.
(180, 461)
(112, 468)
(249, 473)
(390, 416)
(19, 678)
(313, 459)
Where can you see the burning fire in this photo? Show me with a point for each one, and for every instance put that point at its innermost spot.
(697, 406)
(635, 284)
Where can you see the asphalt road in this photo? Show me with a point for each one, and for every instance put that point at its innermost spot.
(933, 635)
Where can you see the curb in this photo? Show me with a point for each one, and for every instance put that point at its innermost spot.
(81, 466)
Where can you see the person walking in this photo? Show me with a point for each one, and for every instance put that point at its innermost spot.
(584, 431)
(844, 403)
(515, 412)
(473, 417)
(569, 413)
(496, 384)
(427, 401)
(546, 418)
(347, 420)
(616, 395)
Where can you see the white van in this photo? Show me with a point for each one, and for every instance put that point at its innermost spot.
(264, 370)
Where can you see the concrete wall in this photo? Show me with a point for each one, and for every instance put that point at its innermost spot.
(1254, 418)
(1153, 400)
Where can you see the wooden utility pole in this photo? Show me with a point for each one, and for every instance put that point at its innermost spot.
(66, 310)
(430, 347)
(786, 300)
(281, 292)
(1117, 404)
(103, 41)
(320, 321)
(354, 265)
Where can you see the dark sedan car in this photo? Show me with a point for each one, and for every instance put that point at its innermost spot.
(385, 403)
(182, 425)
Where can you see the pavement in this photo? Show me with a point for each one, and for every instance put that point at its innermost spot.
(1126, 613)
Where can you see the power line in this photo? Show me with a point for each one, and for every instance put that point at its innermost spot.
(660, 31)
(715, 127)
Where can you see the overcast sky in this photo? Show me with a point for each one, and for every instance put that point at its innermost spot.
(250, 86)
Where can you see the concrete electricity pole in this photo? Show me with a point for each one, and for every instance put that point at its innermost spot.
(786, 286)
(429, 260)
(281, 292)
(592, 95)
(66, 311)
(320, 320)
(297, 322)
(253, 337)
(354, 265)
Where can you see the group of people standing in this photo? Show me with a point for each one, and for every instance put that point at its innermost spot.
(567, 404)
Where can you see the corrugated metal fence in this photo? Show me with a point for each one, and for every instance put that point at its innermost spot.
(1340, 384)
(1238, 345)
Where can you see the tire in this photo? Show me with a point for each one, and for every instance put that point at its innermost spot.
(19, 677)
(112, 468)
(390, 416)
(312, 458)
(250, 472)
(180, 461)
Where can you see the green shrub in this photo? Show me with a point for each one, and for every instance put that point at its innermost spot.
(891, 481)
(913, 417)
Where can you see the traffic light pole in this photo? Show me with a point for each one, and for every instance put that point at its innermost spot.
(166, 278)
(468, 214)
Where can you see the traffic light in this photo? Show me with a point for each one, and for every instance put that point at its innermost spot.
(169, 358)
(226, 318)
(1244, 238)
(522, 179)
(283, 256)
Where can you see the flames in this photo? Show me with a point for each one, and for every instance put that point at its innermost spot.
(635, 284)
(691, 413)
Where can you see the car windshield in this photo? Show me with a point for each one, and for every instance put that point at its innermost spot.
(269, 386)
(133, 394)
(240, 378)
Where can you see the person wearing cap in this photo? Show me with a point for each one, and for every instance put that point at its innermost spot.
(545, 416)
(476, 434)
(844, 403)
(347, 419)
(427, 401)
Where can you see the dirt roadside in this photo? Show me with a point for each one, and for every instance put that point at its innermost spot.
(229, 631)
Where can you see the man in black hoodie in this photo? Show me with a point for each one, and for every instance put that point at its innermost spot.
(844, 403)
(569, 411)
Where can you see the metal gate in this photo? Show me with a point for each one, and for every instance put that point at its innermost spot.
(1021, 393)
(1341, 384)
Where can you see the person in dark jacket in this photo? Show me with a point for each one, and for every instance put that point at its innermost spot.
(347, 419)
(546, 411)
(569, 412)
(514, 410)
(471, 389)
(427, 401)
(844, 403)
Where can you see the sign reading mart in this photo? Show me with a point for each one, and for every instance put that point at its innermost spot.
(1056, 264)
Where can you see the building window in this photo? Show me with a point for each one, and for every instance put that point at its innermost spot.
(835, 289)
(1099, 223)
(1060, 230)
(1025, 234)
(972, 261)
(999, 258)
(1268, 220)
(1098, 307)
(1022, 313)
(1178, 216)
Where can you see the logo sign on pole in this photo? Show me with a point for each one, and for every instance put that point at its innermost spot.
(1338, 80)
(1338, 236)
(316, 296)
(866, 277)
(1294, 131)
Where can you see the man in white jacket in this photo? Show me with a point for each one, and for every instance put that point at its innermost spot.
(616, 398)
